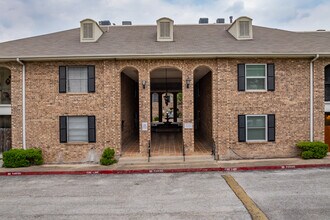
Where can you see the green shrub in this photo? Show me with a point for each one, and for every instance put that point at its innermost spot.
(108, 157)
(313, 150)
(22, 158)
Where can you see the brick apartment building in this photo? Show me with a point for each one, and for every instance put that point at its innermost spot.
(240, 90)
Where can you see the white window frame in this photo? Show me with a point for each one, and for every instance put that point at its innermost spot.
(68, 129)
(246, 128)
(67, 79)
(161, 29)
(254, 77)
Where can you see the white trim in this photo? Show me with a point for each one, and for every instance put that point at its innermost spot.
(254, 77)
(266, 128)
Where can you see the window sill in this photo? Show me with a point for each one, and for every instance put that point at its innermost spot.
(77, 143)
(256, 142)
(256, 91)
(77, 93)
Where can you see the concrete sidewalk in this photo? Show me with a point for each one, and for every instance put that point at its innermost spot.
(167, 165)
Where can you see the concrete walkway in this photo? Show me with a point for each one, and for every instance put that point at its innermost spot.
(168, 165)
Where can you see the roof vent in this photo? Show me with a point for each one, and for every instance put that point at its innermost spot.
(321, 30)
(231, 19)
(104, 22)
(203, 20)
(220, 21)
(126, 23)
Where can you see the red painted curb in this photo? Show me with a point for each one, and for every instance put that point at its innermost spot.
(178, 170)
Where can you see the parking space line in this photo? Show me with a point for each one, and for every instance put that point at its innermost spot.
(249, 204)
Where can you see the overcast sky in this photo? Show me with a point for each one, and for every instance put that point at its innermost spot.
(26, 18)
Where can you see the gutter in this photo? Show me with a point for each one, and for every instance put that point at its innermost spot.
(161, 56)
(311, 66)
(23, 103)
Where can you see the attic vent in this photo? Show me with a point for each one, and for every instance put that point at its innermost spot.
(126, 23)
(203, 20)
(244, 29)
(165, 29)
(88, 30)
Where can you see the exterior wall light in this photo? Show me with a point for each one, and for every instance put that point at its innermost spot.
(144, 84)
(188, 81)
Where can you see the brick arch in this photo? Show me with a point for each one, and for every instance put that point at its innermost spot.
(129, 66)
(165, 67)
(202, 65)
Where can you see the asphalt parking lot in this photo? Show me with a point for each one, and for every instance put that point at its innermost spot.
(290, 194)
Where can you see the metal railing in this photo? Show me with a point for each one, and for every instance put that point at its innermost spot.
(214, 150)
(149, 150)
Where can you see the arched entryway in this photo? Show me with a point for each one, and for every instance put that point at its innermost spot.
(129, 111)
(327, 102)
(203, 110)
(166, 112)
(5, 109)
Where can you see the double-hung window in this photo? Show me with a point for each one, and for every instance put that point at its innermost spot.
(244, 29)
(77, 129)
(255, 77)
(76, 79)
(254, 128)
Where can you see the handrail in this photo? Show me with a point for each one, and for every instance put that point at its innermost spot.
(184, 153)
(214, 150)
(149, 150)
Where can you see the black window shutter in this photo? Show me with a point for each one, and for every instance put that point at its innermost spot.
(241, 128)
(241, 77)
(62, 79)
(63, 129)
(271, 127)
(91, 129)
(91, 78)
(271, 77)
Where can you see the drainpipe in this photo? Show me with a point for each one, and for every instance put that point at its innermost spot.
(312, 97)
(23, 102)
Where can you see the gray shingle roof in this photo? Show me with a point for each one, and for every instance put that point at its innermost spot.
(130, 41)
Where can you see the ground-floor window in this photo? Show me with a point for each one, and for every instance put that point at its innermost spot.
(256, 129)
(77, 129)
(5, 133)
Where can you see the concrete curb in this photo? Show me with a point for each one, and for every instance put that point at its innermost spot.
(174, 170)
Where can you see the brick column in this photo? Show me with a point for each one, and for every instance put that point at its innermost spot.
(144, 112)
(160, 107)
(188, 112)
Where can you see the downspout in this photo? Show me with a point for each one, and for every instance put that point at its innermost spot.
(311, 132)
(23, 103)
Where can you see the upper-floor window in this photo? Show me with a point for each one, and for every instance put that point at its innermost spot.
(327, 83)
(5, 86)
(88, 30)
(256, 77)
(76, 79)
(244, 28)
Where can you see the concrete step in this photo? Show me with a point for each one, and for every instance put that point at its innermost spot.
(166, 159)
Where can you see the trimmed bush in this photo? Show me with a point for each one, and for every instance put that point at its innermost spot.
(22, 158)
(313, 150)
(108, 157)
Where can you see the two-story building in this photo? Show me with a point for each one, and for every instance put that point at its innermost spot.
(236, 90)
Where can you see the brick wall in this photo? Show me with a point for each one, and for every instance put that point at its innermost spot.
(289, 102)
(129, 108)
(204, 107)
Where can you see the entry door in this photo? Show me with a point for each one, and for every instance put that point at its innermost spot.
(327, 129)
